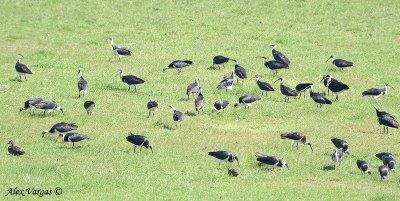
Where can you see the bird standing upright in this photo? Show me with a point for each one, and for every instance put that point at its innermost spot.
(89, 105)
(193, 88)
(21, 69)
(386, 120)
(279, 56)
(82, 84)
(178, 65)
(130, 80)
(177, 116)
(340, 63)
(376, 93)
(264, 86)
(152, 106)
(199, 102)
(119, 51)
(286, 91)
(240, 72)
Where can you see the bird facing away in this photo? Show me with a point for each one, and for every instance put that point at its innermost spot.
(337, 157)
(247, 100)
(219, 59)
(82, 84)
(220, 105)
(118, 50)
(72, 137)
(341, 145)
(61, 128)
(193, 88)
(381, 155)
(240, 72)
(390, 162)
(279, 56)
(14, 150)
(386, 120)
(271, 161)
(303, 87)
(296, 137)
(274, 66)
(375, 93)
(139, 140)
(199, 102)
(340, 63)
(30, 104)
(130, 80)
(178, 65)
(48, 106)
(227, 82)
(224, 156)
(383, 171)
(319, 98)
(152, 106)
(264, 86)
(89, 105)
(286, 91)
(363, 166)
(21, 69)
(232, 172)
(177, 116)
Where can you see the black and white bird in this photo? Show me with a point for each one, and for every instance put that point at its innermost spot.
(363, 166)
(340, 63)
(375, 92)
(72, 137)
(178, 65)
(119, 51)
(303, 87)
(274, 66)
(327, 79)
(199, 102)
(89, 105)
(227, 82)
(220, 105)
(177, 116)
(21, 69)
(193, 88)
(382, 154)
(383, 171)
(48, 106)
(82, 84)
(334, 86)
(286, 91)
(247, 100)
(61, 128)
(341, 145)
(232, 172)
(30, 104)
(224, 156)
(337, 157)
(14, 150)
(221, 60)
(130, 80)
(264, 86)
(390, 162)
(296, 137)
(279, 56)
(319, 98)
(271, 161)
(152, 106)
(139, 140)
(386, 120)
(240, 72)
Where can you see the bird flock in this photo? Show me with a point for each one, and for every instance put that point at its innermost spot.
(67, 131)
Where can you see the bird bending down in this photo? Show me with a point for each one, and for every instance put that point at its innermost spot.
(363, 166)
(219, 59)
(341, 145)
(177, 116)
(247, 100)
(386, 120)
(220, 105)
(296, 137)
(337, 157)
(21, 69)
(286, 91)
(178, 65)
(271, 161)
(224, 156)
(130, 80)
(118, 50)
(30, 104)
(274, 66)
(82, 84)
(152, 106)
(61, 128)
(193, 88)
(14, 150)
(340, 63)
(303, 87)
(72, 137)
(319, 98)
(89, 105)
(139, 140)
(383, 171)
(48, 106)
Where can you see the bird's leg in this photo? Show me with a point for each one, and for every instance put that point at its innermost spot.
(73, 145)
(135, 89)
(129, 87)
(337, 97)
(25, 78)
(149, 114)
(20, 78)
(297, 145)
(140, 148)
(134, 149)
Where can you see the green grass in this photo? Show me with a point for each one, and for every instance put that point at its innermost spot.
(60, 37)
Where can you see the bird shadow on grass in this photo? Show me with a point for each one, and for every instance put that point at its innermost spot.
(213, 68)
(163, 125)
(190, 114)
(115, 88)
(69, 147)
(15, 79)
(328, 168)
(183, 99)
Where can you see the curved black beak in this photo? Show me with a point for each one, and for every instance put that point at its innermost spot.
(309, 144)
(237, 160)
(287, 166)
(329, 58)
(151, 148)
(58, 137)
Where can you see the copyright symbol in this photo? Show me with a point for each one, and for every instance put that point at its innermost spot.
(58, 190)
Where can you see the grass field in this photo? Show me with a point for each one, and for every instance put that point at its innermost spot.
(59, 37)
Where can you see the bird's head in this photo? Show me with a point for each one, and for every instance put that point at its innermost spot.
(172, 108)
(376, 109)
(61, 109)
(150, 146)
(21, 56)
(265, 58)
(237, 159)
(164, 69)
(331, 57)
(151, 98)
(280, 79)
(259, 154)
(21, 108)
(234, 60)
(309, 144)
(11, 143)
(44, 132)
(236, 104)
(369, 172)
(346, 151)
(273, 46)
(282, 163)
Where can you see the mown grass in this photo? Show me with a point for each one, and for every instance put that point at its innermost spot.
(58, 38)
